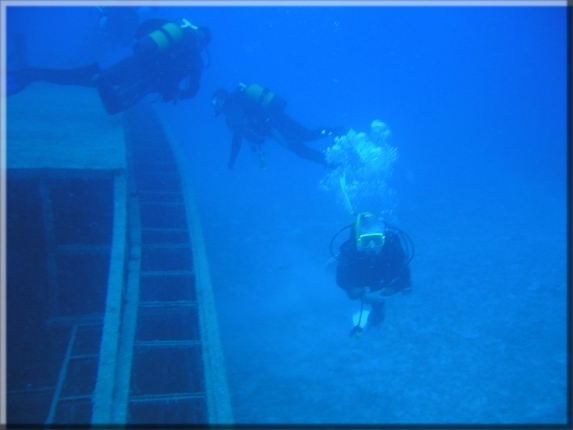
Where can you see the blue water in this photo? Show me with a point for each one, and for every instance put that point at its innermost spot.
(476, 101)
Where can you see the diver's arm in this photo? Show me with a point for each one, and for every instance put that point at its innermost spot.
(191, 90)
(346, 272)
(345, 280)
(193, 80)
(399, 274)
(235, 148)
(188, 87)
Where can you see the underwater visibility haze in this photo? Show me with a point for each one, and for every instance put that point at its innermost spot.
(455, 131)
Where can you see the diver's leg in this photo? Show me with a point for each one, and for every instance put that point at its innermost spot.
(377, 314)
(122, 86)
(84, 76)
(299, 148)
(293, 130)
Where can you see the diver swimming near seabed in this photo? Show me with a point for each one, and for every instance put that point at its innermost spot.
(254, 113)
(373, 265)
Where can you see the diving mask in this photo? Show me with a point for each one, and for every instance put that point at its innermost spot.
(370, 241)
(218, 100)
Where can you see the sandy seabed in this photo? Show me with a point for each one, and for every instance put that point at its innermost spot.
(481, 340)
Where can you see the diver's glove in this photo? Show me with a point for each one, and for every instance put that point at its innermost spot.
(370, 297)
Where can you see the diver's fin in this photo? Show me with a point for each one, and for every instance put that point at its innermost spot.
(360, 318)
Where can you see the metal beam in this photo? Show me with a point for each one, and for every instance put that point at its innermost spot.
(103, 395)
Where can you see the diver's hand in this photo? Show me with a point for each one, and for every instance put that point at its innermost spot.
(369, 296)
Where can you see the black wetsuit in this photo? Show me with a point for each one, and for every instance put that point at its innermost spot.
(127, 82)
(249, 120)
(387, 269)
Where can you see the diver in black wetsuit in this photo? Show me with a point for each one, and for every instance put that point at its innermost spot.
(165, 55)
(256, 114)
(373, 265)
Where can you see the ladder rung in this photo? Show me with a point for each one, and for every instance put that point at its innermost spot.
(80, 356)
(79, 249)
(166, 245)
(29, 390)
(166, 273)
(84, 320)
(149, 193)
(160, 203)
(167, 343)
(164, 230)
(167, 304)
(79, 397)
(167, 397)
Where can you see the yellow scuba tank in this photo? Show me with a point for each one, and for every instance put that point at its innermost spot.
(161, 40)
(265, 97)
(166, 36)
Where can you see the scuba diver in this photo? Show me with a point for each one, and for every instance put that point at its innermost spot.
(373, 265)
(166, 54)
(255, 114)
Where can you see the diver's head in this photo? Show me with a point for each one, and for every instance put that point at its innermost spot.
(202, 34)
(218, 100)
(370, 232)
